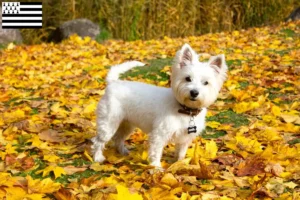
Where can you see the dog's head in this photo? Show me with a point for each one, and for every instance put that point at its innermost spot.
(196, 84)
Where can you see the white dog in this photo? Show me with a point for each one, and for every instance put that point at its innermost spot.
(167, 115)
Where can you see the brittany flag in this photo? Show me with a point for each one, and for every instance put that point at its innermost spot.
(22, 15)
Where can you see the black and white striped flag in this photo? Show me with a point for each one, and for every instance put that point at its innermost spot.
(22, 15)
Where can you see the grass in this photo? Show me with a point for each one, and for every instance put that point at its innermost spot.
(230, 117)
(2, 46)
(288, 32)
(216, 134)
(151, 71)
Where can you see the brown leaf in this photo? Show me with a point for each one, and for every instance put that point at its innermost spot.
(229, 159)
(27, 163)
(204, 171)
(251, 167)
(10, 159)
(22, 125)
(275, 169)
(200, 171)
(71, 169)
(36, 104)
(64, 194)
(51, 136)
(262, 192)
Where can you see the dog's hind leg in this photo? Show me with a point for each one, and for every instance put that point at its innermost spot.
(108, 121)
(119, 138)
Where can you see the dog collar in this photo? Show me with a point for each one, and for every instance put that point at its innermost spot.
(189, 111)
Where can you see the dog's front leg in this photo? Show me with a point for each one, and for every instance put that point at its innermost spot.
(181, 149)
(157, 141)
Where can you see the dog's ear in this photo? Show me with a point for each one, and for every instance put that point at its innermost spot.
(185, 56)
(218, 63)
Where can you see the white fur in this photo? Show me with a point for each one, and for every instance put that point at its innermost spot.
(153, 109)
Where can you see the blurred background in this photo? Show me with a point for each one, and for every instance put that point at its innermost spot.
(154, 19)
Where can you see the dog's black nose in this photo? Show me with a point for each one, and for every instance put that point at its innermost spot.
(194, 93)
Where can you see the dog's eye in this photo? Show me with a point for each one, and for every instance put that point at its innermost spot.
(188, 79)
(205, 83)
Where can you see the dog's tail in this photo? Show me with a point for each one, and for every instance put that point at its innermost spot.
(116, 70)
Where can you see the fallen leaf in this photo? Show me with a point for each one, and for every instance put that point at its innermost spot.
(45, 186)
(169, 179)
(251, 167)
(51, 136)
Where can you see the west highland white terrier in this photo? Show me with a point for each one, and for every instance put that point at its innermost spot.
(167, 115)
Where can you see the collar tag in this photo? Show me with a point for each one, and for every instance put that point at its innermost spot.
(192, 127)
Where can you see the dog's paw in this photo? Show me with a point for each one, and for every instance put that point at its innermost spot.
(123, 151)
(156, 164)
(98, 157)
(156, 170)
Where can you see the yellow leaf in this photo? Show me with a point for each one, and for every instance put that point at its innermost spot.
(289, 118)
(112, 180)
(51, 158)
(195, 197)
(285, 174)
(240, 95)
(1, 121)
(163, 83)
(289, 127)
(169, 179)
(245, 106)
(179, 165)
(269, 118)
(42, 186)
(243, 145)
(90, 108)
(207, 152)
(87, 155)
(269, 134)
(276, 110)
(124, 193)
(9, 149)
(208, 196)
(225, 198)
(159, 193)
(211, 149)
(55, 107)
(6, 179)
(137, 185)
(36, 142)
(11, 46)
(14, 116)
(184, 196)
(101, 167)
(235, 33)
(58, 171)
(176, 191)
(207, 187)
(213, 124)
(17, 193)
(144, 155)
(166, 69)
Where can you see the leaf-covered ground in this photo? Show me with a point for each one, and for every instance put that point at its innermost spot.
(249, 150)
